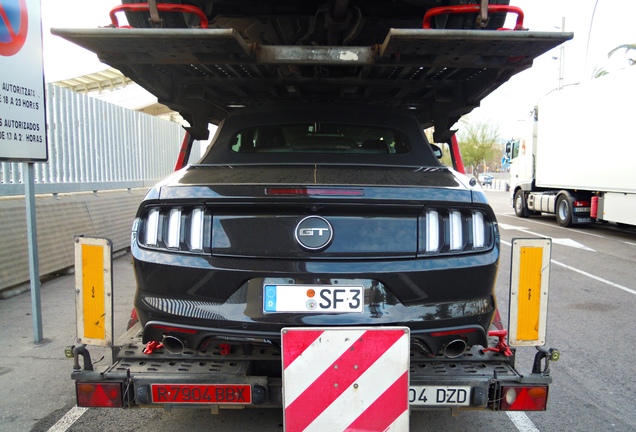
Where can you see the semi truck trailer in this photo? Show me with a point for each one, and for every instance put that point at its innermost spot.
(577, 161)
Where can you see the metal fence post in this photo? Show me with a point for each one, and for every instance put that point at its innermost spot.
(34, 262)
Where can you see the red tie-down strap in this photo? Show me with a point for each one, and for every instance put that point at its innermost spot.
(152, 346)
(502, 346)
(472, 8)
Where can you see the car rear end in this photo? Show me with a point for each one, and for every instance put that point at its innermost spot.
(344, 219)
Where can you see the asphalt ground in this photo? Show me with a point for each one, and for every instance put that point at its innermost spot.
(35, 378)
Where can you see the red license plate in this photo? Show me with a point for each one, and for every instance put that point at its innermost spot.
(202, 393)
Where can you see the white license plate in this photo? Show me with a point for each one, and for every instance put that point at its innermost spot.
(313, 298)
(439, 395)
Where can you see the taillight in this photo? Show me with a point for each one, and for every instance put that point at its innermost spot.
(454, 231)
(174, 229)
(177, 228)
(524, 398)
(479, 230)
(152, 227)
(432, 231)
(197, 222)
(99, 394)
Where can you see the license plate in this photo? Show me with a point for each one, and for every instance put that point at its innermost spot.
(202, 393)
(439, 395)
(313, 298)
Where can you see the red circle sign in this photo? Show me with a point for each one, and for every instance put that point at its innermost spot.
(14, 25)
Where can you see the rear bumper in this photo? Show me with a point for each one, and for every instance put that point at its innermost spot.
(482, 374)
(223, 298)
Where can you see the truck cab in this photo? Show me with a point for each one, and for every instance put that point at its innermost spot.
(520, 156)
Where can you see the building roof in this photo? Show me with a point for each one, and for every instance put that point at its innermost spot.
(114, 87)
(109, 79)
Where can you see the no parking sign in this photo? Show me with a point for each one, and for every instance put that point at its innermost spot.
(22, 109)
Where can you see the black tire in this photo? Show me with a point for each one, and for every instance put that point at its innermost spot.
(563, 211)
(468, 21)
(171, 19)
(519, 204)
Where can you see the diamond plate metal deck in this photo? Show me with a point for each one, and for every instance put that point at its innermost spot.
(473, 364)
(130, 348)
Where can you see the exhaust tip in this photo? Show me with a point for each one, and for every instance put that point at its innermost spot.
(173, 344)
(455, 348)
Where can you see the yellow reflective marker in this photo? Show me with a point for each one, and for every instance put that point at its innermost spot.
(93, 283)
(529, 293)
(93, 293)
(529, 282)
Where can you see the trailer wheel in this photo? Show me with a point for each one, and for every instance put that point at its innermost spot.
(564, 211)
(520, 205)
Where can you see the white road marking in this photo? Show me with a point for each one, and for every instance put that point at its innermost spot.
(512, 215)
(67, 421)
(521, 421)
(605, 281)
(562, 241)
(584, 273)
(583, 232)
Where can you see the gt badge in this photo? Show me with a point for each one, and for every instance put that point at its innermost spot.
(313, 233)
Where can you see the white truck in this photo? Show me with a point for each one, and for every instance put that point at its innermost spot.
(578, 162)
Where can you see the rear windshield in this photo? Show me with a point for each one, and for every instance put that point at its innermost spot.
(319, 138)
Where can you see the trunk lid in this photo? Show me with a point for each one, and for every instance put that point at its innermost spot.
(371, 212)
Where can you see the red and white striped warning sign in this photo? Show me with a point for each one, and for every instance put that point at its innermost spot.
(346, 379)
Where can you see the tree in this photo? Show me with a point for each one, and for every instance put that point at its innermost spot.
(627, 48)
(478, 142)
(600, 71)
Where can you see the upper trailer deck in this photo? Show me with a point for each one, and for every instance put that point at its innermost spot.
(205, 73)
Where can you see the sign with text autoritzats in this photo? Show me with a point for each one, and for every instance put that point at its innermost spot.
(342, 379)
(22, 109)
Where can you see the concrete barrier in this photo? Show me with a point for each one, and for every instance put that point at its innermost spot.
(60, 218)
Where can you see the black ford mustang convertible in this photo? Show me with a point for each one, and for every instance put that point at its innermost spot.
(310, 214)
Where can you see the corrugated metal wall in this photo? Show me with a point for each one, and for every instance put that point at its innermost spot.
(60, 218)
(94, 145)
(113, 153)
